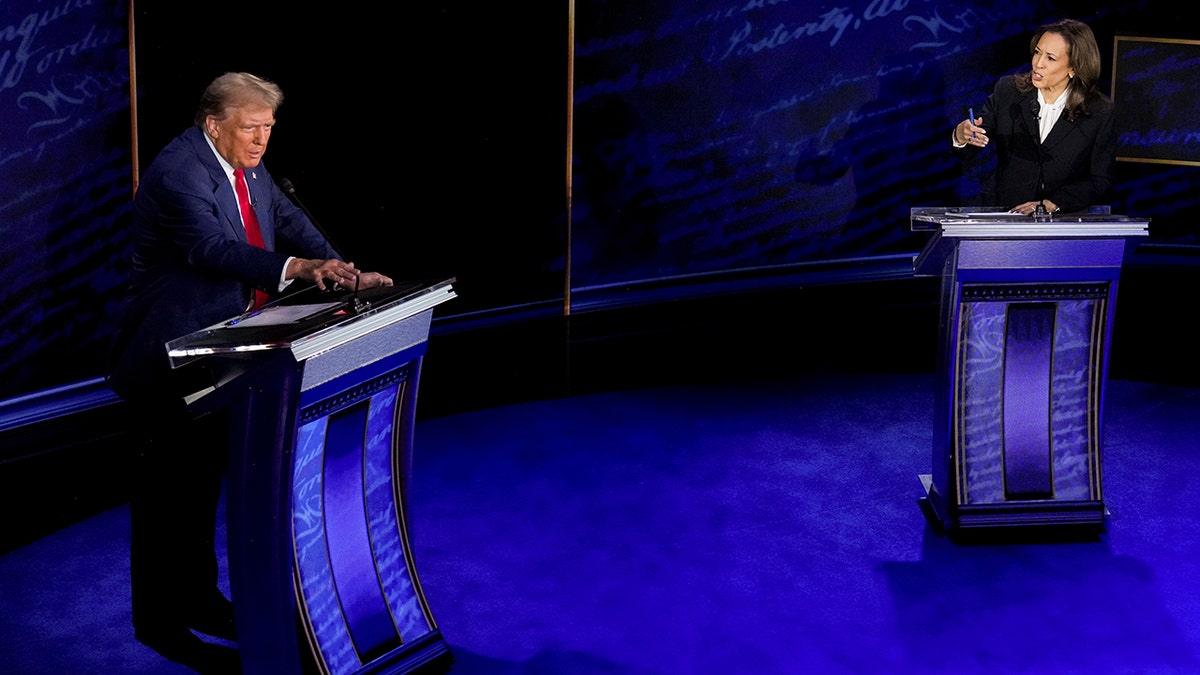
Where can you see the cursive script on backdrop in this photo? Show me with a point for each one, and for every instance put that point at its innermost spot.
(65, 184)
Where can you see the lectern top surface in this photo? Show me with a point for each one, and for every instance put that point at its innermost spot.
(304, 316)
(993, 221)
(1036, 237)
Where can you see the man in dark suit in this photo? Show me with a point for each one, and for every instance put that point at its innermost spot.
(199, 259)
(1052, 128)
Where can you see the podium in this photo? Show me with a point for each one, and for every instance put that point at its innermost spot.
(1025, 323)
(321, 390)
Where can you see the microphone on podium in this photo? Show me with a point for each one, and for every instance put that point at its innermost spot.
(355, 304)
(290, 191)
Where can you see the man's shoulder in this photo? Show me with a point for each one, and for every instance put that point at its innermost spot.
(183, 147)
(182, 159)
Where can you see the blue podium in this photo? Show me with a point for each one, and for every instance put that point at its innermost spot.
(1027, 310)
(321, 389)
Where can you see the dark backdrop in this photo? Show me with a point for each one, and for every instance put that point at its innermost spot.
(712, 139)
(65, 181)
(428, 140)
(715, 135)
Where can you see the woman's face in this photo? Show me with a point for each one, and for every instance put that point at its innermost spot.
(1051, 65)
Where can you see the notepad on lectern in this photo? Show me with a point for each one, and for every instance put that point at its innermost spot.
(984, 214)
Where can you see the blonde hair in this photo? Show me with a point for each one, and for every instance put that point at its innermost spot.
(233, 90)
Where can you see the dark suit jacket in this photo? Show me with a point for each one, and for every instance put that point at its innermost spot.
(192, 265)
(1075, 163)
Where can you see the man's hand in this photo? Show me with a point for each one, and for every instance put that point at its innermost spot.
(372, 280)
(326, 273)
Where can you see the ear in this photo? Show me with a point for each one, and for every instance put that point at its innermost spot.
(211, 126)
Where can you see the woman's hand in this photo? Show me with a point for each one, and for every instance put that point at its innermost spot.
(968, 132)
(1029, 208)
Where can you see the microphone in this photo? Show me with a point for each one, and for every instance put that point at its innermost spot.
(356, 304)
(1042, 158)
(290, 191)
(1040, 186)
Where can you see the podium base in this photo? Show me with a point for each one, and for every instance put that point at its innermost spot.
(1041, 520)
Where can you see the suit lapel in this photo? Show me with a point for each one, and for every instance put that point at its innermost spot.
(1029, 108)
(1061, 128)
(1059, 131)
(222, 189)
(228, 206)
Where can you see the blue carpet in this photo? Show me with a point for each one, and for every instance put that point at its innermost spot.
(749, 527)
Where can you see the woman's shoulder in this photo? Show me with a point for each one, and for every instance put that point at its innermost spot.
(1098, 100)
(1099, 109)
(1008, 85)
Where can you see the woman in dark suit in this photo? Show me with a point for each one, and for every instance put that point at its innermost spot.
(1052, 128)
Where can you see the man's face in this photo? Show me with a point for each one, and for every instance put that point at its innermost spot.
(241, 138)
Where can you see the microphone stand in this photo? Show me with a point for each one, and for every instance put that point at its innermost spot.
(290, 191)
(356, 304)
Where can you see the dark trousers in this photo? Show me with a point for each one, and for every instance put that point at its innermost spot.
(179, 467)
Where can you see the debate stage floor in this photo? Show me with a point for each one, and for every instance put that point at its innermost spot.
(765, 525)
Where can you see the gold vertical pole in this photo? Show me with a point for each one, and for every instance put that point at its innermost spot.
(133, 109)
(570, 133)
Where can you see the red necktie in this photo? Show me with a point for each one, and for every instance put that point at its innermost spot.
(253, 233)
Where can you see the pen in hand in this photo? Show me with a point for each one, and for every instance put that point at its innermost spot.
(971, 112)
